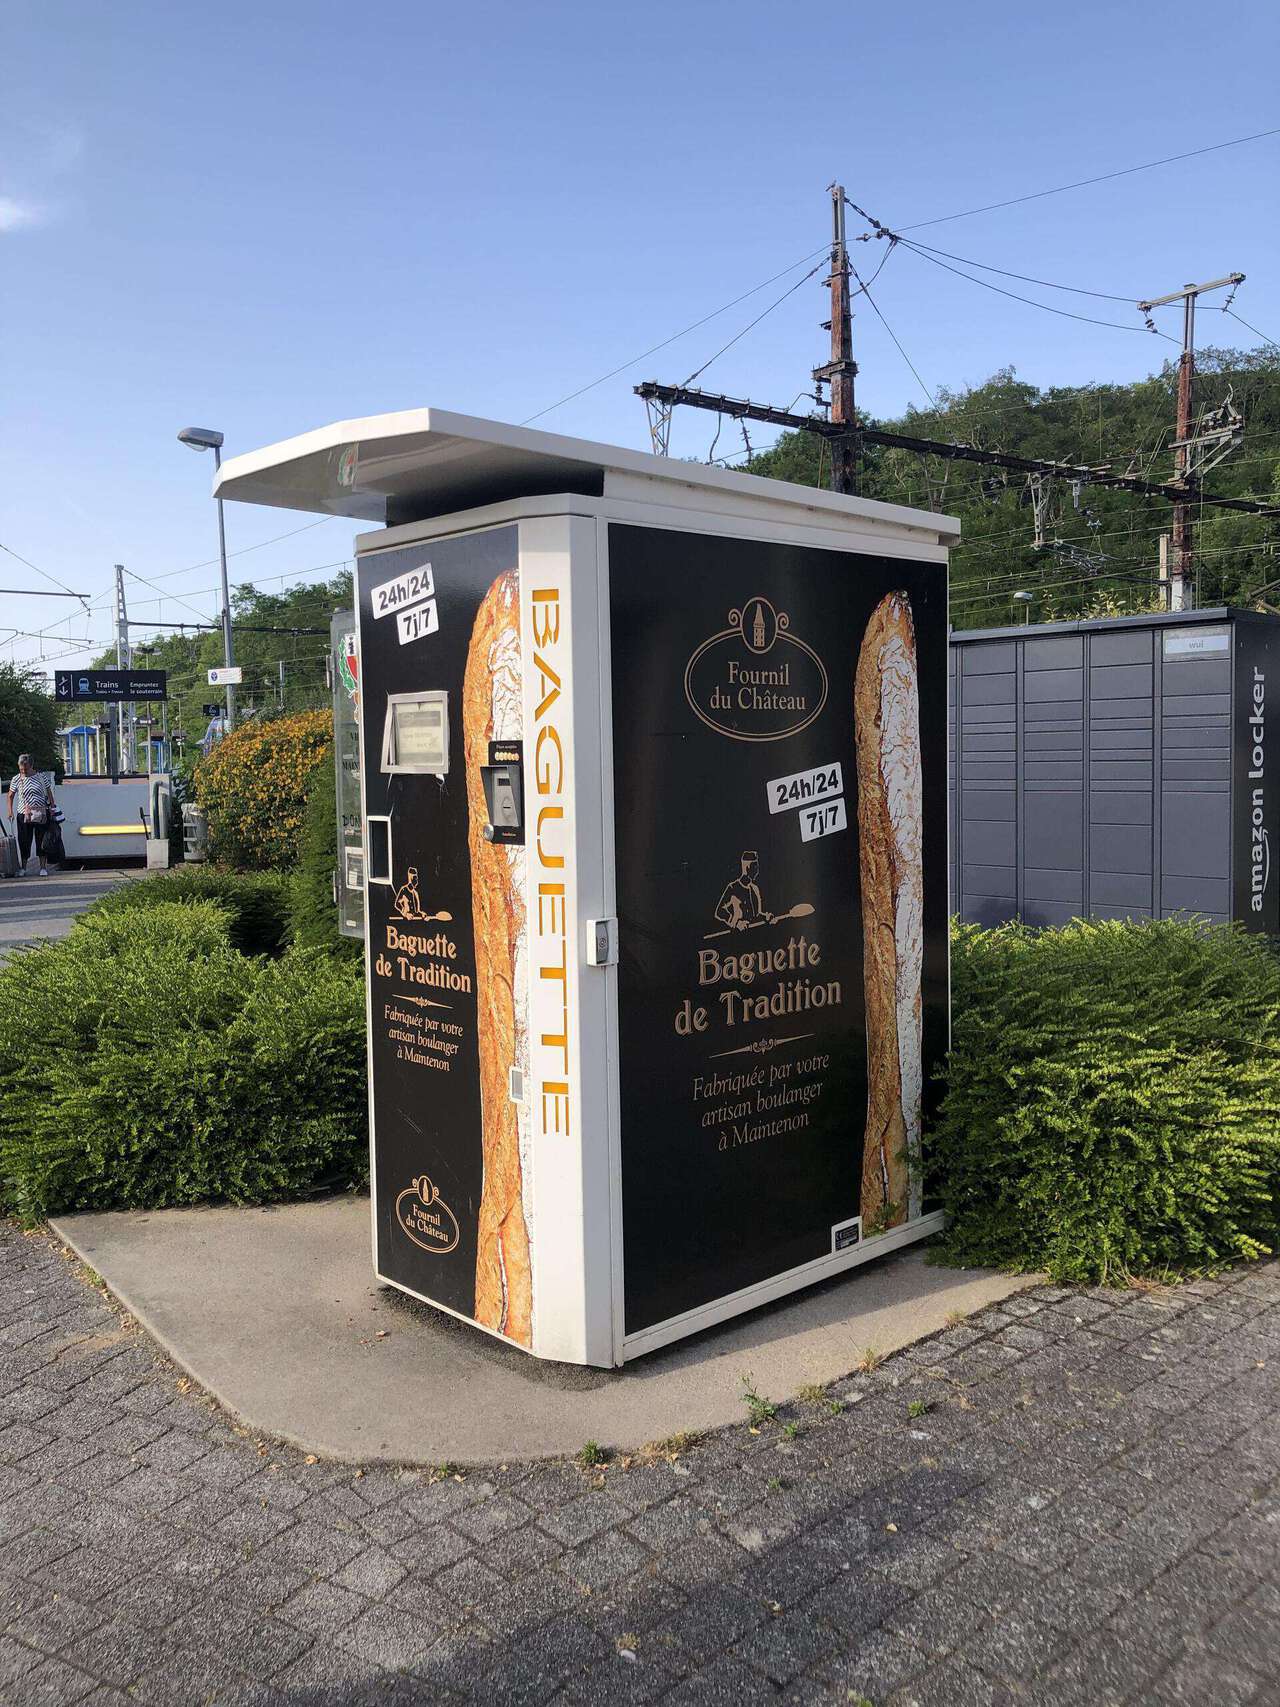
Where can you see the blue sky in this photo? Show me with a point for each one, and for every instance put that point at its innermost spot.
(263, 217)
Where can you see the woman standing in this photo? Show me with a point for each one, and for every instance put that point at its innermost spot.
(35, 803)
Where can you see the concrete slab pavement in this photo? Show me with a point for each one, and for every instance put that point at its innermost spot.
(276, 1312)
(32, 908)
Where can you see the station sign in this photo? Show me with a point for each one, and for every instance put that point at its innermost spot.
(110, 684)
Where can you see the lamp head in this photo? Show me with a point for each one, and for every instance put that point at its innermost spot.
(201, 438)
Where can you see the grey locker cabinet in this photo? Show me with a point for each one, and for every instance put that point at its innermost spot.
(1116, 769)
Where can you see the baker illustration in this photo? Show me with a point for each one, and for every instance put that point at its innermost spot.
(408, 903)
(741, 906)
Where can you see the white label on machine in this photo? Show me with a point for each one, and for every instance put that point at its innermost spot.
(823, 820)
(1197, 644)
(407, 589)
(417, 623)
(805, 788)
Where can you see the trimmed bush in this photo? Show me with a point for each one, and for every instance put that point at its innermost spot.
(1113, 1100)
(257, 902)
(313, 917)
(153, 1065)
(253, 784)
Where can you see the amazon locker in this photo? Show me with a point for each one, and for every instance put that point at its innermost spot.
(1116, 769)
(654, 771)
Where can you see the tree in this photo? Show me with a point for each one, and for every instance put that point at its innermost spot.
(1102, 546)
(188, 657)
(28, 721)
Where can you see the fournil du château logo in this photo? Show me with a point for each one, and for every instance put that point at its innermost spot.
(1259, 841)
(755, 680)
(425, 1217)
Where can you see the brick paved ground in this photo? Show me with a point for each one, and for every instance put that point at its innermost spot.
(1086, 1509)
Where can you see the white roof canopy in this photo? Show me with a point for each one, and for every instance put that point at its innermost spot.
(428, 462)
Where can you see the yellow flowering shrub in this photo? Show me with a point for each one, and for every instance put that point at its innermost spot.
(253, 784)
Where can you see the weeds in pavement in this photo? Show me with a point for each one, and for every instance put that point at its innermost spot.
(759, 1409)
(671, 1446)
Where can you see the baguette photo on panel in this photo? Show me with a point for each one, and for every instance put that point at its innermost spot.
(890, 827)
(492, 711)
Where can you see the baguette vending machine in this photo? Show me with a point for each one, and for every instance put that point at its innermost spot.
(654, 762)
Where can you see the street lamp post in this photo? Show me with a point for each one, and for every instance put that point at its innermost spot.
(208, 438)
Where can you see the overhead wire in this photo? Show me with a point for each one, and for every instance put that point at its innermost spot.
(1026, 278)
(244, 550)
(1253, 329)
(35, 567)
(889, 329)
(674, 338)
(1101, 178)
(173, 598)
(790, 291)
(1047, 307)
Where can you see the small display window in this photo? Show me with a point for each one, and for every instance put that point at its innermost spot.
(415, 735)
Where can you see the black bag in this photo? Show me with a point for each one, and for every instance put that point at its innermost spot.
(53, 852)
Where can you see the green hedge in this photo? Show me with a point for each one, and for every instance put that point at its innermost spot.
(257, 901)
(1113, 1099)
(152, 1064)
(313, 915)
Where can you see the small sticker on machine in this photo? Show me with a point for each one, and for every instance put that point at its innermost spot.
(1203, 642)
(417, 623)
(825, 820)
(407, 589)
(805, 788)
(845, 1234)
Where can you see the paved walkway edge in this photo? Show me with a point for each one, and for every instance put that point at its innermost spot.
(276, 1314)
(172, 1351)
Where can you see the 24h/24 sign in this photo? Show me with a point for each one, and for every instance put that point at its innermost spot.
(110, 684)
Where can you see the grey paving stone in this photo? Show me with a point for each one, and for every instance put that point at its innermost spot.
(1203, 1676)
(521, 1551)
(602, 1560)
(468, 1584)
(782, 1646)
(487, 1518)
(872, 1667)
(16, 1659)
(855, 1604)
(372, 1573)
(51, 1683)
(327, 1673)
(952, 1684)
(937, 1619)
(1089, 1512)
(674, 1521)
(639, 1679)
(1015, 1648)
(431, 1549)
(579, 1519)
(54, 1621)
(387, 1637)
(722, 1684)
(322, 1608)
